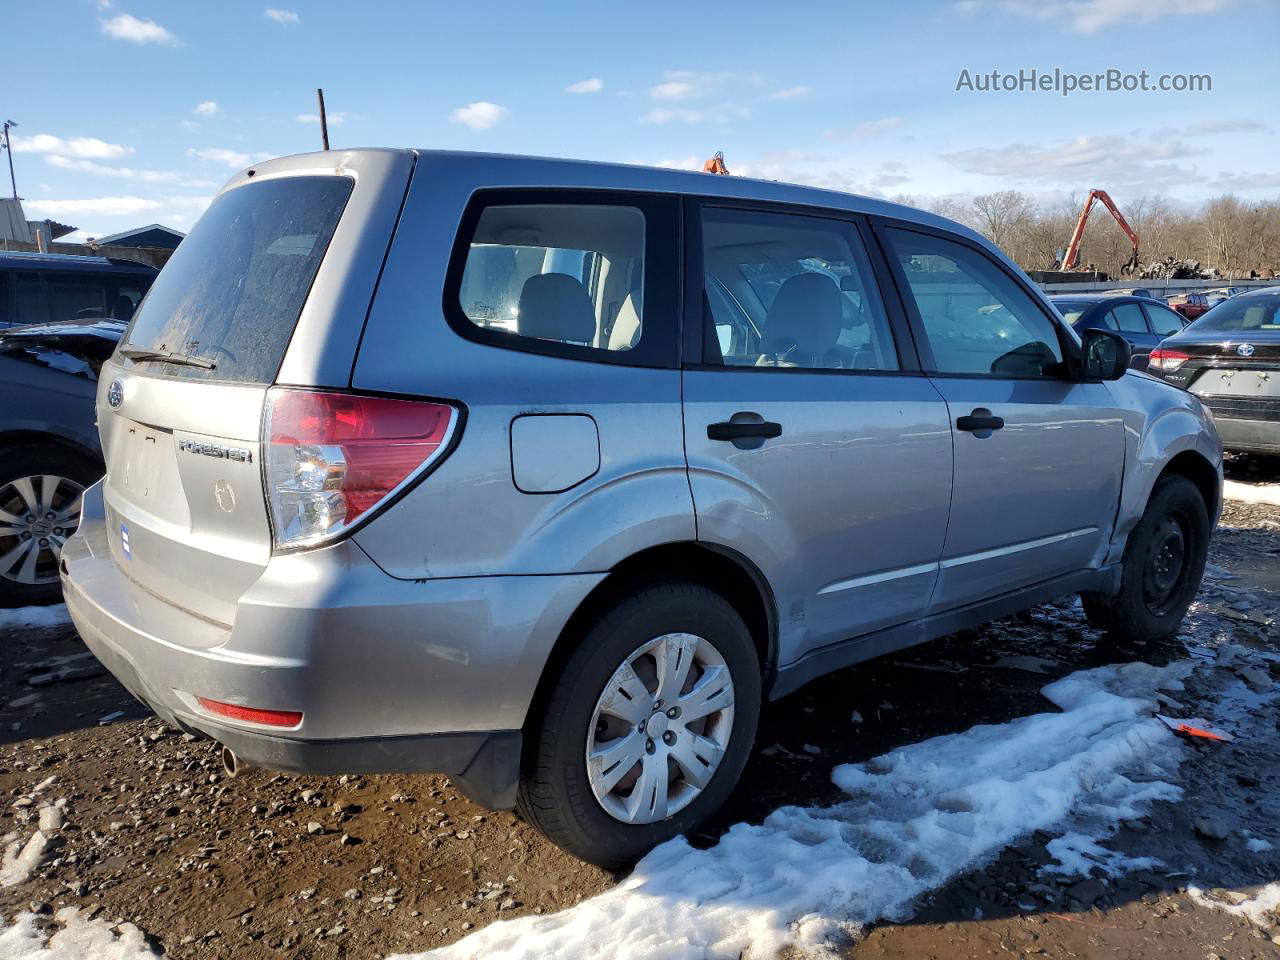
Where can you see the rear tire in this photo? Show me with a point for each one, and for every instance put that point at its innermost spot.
(603, 810)
(1162, 567)
(36, 481)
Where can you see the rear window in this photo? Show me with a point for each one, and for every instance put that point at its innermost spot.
(1242, 314)
(1071, 309)
(234, 288)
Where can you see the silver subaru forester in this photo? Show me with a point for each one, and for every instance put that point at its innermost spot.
(544, 474)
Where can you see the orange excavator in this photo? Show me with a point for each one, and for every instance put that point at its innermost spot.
(716, 165)
(1071, 260)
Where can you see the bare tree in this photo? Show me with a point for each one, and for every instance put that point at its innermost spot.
(999, 216)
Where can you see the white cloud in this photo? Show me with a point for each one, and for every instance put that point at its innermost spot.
(230, 158)
(673, 90)
(865, 131)
(189, 125)
(680, 85)
(126, 173)
(93, 206)
(124, 26)
(480, 115)
(714, 115)
(592, 85)
(86, 147)
(669, 114)
(208, 108)
(1147, 161)
(336, 118)
(791, 93)
(1089, 16)
(289, 18)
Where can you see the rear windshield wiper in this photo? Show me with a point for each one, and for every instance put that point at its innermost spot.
(168, 356)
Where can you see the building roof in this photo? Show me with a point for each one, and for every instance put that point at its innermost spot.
(152, 235)
(13, 222)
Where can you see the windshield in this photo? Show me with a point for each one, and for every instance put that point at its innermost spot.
(1242, 314)
(234, 288)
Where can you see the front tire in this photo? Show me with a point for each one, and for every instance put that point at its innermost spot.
(1162, 567)
(648, 727)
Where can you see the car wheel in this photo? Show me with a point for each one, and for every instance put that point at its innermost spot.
(647, 728)
(1162, 567)
(40, 492)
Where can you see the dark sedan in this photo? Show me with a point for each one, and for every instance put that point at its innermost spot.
(1230, 358)
(49, 449)
(1140, 320)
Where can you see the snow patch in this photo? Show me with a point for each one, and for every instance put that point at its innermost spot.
(21, 617)
(1258, 845)
(1252, 492)
(78, 939)
(1078, 855)
(1265, 901)
(916, 817)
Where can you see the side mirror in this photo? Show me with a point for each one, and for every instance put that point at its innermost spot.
(1105, 355)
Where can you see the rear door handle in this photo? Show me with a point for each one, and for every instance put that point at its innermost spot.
(735, 430)
(980, 421)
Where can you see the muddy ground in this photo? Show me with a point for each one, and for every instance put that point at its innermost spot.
(267, 865)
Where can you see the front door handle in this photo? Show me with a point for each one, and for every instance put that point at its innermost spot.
(743, 430)
(980, 423)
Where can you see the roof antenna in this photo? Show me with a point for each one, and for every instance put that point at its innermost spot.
(324, 118)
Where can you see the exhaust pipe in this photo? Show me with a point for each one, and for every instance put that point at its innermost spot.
(231, 764)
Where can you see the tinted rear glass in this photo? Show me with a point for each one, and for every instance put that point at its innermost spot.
(1242, 315)
(234, 288)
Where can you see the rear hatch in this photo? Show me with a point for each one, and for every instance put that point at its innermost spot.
(272, 285)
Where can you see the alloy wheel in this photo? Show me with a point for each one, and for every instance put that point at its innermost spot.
(37, 515)
(660, 728)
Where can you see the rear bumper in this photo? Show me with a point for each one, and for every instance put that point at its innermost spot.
(390, 676)
(1248, 436)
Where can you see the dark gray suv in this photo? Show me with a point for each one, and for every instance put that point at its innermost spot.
(545, 474)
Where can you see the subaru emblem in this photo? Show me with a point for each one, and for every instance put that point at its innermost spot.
(1245, 349)
(115, 392)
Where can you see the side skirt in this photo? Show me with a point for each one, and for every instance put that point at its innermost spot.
(846, 653)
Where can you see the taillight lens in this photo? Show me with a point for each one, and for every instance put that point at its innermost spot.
(1167, 360)
(331, 458)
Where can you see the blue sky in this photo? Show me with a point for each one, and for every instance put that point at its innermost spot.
(135, 111)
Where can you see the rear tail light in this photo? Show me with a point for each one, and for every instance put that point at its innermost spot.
(1167, 360)
(333, 458)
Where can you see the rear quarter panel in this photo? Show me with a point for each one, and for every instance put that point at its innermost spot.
(468, 517)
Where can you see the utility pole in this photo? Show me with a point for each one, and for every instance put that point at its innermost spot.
(9, 148)
(324, 119)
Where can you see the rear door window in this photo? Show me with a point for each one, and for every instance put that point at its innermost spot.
(4, 298)
(234, 288)
(792, 291)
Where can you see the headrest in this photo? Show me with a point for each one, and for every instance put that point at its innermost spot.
(805, 314)
(122, 309)
(555, 306)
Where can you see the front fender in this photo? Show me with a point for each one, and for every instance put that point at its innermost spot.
(1162, 422)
